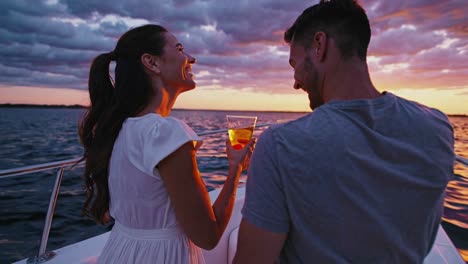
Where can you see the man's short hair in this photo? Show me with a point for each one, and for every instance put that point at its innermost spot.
(345, 21)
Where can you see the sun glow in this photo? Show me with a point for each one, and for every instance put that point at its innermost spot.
(214, 97)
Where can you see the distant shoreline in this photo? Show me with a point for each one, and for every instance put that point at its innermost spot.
(39, 106)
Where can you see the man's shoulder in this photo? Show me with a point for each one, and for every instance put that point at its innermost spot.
(420, 106)
(422, 112)
(312, 125)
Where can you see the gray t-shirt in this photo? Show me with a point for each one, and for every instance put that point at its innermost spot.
(358, 181)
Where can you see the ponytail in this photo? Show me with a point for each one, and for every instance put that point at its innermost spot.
(101, 92)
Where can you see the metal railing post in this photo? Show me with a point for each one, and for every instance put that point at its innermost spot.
(44, 256)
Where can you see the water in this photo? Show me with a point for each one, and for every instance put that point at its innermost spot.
(32, 136)
(456, 202)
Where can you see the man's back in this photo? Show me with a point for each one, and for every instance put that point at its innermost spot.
(357, 181)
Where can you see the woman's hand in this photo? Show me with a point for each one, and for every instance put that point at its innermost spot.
(242, 156)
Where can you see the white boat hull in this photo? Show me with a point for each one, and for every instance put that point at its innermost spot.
(87, 251)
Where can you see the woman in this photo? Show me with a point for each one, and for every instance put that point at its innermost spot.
(141, 164)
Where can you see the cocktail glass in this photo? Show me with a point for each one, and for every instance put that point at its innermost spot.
(240, 129)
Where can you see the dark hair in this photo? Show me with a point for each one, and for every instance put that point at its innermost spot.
(343, 20)
(112, 103)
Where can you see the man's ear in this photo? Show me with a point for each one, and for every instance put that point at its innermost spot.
(319, 44)
(151, 63)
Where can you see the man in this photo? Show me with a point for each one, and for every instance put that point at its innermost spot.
(361, 179)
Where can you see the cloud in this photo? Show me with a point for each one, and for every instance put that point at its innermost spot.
(238, 44)
(405, 39)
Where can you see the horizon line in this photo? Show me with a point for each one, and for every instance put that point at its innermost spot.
(4, 105)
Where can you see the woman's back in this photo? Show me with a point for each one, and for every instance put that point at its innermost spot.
(138, 199)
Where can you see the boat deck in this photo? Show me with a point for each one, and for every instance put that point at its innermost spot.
(87, 251)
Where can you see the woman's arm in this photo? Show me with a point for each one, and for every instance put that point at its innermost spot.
(202, 223)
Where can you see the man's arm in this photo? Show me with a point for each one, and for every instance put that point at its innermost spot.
(257, 245)
(265, 221)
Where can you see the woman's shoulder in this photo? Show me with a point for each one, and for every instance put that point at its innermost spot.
(148, 118)
(152, 121)
(154, 126)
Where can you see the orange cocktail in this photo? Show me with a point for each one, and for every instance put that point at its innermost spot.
(240, 130)
(239, 137)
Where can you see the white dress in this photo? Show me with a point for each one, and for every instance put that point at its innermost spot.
(146, 229)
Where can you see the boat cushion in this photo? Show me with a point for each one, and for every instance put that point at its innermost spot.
(232, 244)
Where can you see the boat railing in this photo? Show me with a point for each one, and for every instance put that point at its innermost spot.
(61, 165)
(462, 160)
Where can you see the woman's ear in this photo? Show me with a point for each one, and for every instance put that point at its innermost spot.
(150, 62)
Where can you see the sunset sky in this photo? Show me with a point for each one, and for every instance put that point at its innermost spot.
(418, 49)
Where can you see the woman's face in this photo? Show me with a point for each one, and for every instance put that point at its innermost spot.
(176, 66)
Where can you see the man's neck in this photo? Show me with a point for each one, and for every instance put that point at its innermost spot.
(348, 80)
